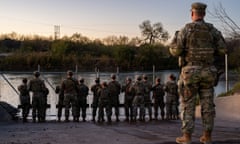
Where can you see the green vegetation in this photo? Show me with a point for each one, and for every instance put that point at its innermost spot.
(29, 52)
(235, 89)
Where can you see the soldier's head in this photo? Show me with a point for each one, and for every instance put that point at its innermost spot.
(81, 80)
(36, 73)
(104, 84)
(69, 73)
(138, 78)
(198, 11)
(97, 80)
(158, 80)
(145, 77)
(172, 77)
(24, 80)
(113, 76)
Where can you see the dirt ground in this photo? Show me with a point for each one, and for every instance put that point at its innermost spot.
(226, 131)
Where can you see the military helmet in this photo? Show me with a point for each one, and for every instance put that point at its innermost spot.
(171, 76)
(69, 72)
(81, 80)
(138, 78)
(113, 76)
(145, 77)
(104, 84)
(36, 73)
(158, 79)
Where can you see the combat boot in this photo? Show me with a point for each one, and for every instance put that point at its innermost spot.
(206, 138)
(185, 139)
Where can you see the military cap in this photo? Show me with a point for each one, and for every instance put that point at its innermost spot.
(69, 72)
(199, 7)
(36, 73)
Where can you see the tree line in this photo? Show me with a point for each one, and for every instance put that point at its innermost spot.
(67, 52)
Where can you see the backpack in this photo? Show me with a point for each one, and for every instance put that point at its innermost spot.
(199, 42)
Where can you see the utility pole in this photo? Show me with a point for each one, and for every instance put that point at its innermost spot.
(56, 32)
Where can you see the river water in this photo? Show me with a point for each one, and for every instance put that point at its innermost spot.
(8, 79)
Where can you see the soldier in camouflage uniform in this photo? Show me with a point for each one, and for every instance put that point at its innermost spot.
(95, 89)
(24, 99)
(104, 102)
(38, 88)
(197, 44)
(128, 99)
(171, 99)
(158, 97)
(69, 87)
(82, 99)
(138, 100)
(60, 102)
(115, 89)
(147, 97)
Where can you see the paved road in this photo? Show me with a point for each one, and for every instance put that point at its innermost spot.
(155, 132)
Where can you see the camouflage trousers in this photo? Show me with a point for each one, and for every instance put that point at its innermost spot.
(197, 81)
(38, 106)
(171, 107)
(138, 101)
(70, 100)
(148, 106)
(104, 104)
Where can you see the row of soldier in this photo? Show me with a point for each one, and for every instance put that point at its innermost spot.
(73, 95)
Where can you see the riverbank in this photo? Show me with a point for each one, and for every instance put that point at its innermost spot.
(226, 131)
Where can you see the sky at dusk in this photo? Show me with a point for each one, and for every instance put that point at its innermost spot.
(100, 18)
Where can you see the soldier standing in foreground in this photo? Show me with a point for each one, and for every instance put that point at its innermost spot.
(24, 99)
(158, 97)
(95, 89)
(69, 87)
(38, 88)
(197, 44)
(82, 99)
